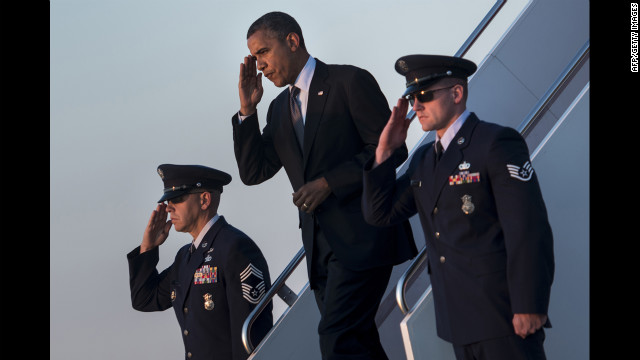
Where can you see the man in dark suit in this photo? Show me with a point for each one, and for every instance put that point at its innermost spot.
(489, 243)
(215, 282)
(321, 129)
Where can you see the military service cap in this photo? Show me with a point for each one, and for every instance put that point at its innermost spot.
(422, 71)
(183, 179)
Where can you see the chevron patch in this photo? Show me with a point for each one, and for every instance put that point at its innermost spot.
(523, 173)
(253, 287)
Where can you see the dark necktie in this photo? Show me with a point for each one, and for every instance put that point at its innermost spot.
(439, 151)
(192, 248)
(296, 115)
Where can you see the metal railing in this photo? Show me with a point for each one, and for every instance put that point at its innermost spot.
(420, 258)
(524, 127)
(542, 104)
(473, 37)
(278, 287)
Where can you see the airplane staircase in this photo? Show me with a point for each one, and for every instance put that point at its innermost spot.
(536, 80)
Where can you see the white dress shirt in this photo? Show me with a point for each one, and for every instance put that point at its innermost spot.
(203, 232)
(452, 130)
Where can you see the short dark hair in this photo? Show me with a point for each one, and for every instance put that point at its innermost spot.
(280, 24)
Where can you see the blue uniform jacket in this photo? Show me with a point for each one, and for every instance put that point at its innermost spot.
(212, 291)
(488, 239)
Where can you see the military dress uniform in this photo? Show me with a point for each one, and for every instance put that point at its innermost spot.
(488, 240)
(212, 289)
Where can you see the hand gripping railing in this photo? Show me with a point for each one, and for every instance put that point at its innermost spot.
(526, 125)
(278, 287)
(419, 260)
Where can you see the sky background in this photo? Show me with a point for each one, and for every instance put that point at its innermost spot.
(138, 83)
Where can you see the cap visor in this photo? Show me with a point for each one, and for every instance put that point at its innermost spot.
(417, 87)
(172, 194)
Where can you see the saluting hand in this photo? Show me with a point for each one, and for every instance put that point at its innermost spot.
(311, 195)
(249, 86)
(394, 133)
(157, 229)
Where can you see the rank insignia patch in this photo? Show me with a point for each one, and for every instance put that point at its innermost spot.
(253, 287)
(206, 275)
(464, 178)
(523, 173)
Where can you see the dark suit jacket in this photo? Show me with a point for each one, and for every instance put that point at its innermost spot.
(486, 264)
(346, 112)
(229, 269)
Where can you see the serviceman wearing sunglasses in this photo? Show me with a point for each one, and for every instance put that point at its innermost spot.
(488, 240)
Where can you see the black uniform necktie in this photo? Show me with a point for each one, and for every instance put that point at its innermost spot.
(192, 249)
(439, 151)
(296, 115)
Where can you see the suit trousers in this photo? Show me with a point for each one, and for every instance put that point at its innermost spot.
(348, 301)
(505, 348)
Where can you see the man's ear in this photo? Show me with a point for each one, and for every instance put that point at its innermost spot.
(293, 41)
(205, 200)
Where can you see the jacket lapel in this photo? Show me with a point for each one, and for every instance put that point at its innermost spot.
(190, 266)
(318, 93)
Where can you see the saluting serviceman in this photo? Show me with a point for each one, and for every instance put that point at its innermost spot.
(214, 282)
(488, 239)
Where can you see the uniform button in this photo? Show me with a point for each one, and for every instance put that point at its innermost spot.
(186, 332)
(435, 211)
(437, 235)
(186, 310)
(189, 355)
(442, 259)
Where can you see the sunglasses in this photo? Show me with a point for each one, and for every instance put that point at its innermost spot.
(424, 96)
(178, 199)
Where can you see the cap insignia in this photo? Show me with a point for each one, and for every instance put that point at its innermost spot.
(403, 65)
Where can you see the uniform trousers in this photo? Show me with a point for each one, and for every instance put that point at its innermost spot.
(505, 348)
(348, 301)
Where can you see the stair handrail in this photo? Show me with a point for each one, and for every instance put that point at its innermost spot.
(278, 287)
(558, 84)
(473, 37)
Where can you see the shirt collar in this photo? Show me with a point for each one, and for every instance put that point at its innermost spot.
(303, 81)
(205, 229)
(453, 129)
